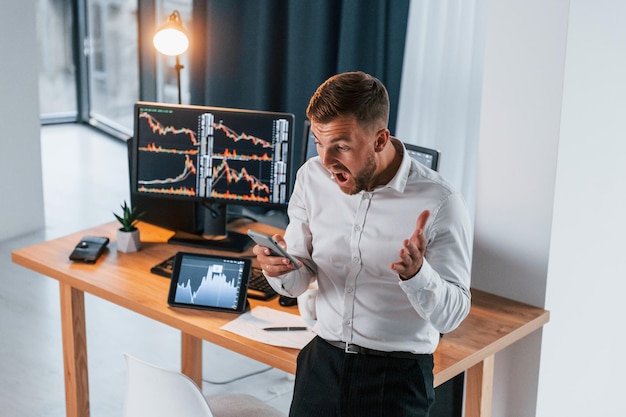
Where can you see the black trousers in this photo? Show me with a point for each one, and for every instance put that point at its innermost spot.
(332, 383)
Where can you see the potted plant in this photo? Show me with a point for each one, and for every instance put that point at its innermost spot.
(128, 235)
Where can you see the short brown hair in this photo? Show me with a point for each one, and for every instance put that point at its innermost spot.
(350, 93)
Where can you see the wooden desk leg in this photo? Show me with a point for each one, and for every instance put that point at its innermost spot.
(479, 389)
(74, 351)
(191, 363)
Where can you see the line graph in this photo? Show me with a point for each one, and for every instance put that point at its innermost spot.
(236, 137)
(180, 191)
(153, 147)
(189, 170)
(215, 284)
(162, 130)
(258, 190)
(228, 155)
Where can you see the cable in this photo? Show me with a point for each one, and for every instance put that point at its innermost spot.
(237, 378)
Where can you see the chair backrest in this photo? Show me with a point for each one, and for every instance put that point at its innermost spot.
(158, 392)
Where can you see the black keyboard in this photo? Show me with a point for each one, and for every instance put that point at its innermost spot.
(164, 268)
(258, 287)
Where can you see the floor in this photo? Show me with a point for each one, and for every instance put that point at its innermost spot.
(85, 180)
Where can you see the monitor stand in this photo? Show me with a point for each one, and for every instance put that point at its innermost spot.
(214, 236)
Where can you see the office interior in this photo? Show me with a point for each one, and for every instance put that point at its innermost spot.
(544, 181)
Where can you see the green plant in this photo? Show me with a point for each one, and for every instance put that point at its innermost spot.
(129, 217)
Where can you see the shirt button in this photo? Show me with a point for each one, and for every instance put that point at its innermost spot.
(355, 260)
(367, 196)
(347, 322)
(357, 228)
(349, 290)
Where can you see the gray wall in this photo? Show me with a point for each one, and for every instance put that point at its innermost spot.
(21, 193)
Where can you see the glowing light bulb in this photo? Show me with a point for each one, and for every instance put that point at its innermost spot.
(171, 38)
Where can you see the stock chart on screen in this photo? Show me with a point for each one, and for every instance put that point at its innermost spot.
(212, 153)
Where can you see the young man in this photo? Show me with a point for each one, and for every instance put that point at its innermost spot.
(388, 241)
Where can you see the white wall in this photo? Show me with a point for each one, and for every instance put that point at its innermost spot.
(21, 192)
(582, 356)
(523, 70)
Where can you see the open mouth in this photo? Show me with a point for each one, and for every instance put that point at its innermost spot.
(340, 177)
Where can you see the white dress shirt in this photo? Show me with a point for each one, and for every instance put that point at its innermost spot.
(348, 243)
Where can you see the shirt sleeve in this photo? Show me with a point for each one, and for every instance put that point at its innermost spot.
(292, 284)
(440, 291)
(298, 238)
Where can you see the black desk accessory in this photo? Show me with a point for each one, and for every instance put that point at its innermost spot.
(89, 249)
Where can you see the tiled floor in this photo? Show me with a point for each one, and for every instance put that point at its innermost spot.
(85, 180)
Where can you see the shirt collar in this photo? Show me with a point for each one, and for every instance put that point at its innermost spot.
(398, 182)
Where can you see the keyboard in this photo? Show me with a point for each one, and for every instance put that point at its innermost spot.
(258, 287)
(165, 268)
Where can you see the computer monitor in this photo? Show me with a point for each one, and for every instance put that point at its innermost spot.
(181, 215)
(309, 149)
(213, 156)
(426, 156)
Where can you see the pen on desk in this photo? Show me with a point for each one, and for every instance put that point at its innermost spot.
(285, 329)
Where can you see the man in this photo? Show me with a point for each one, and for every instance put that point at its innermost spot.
(388, 241)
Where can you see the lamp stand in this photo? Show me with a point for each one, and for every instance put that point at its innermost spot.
(178, 67)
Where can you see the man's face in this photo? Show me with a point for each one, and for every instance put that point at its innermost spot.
(347, 150)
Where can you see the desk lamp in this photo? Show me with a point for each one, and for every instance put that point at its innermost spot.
(171, 39)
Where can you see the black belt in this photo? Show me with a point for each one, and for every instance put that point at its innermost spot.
(360, 350)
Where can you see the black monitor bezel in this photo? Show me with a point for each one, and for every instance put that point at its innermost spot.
(241, 300)
(432, 152)
(211, 200)
(306, 134)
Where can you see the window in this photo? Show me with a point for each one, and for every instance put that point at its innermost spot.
(89, 62)
(57, 73)
(113, 63)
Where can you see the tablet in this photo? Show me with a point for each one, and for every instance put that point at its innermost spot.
(209, 282)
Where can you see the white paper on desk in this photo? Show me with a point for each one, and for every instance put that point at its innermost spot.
(252, 323)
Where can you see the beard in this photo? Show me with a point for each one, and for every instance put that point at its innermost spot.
(363, 178)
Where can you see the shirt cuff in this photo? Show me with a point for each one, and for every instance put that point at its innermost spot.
(287, 284)
(421, 289)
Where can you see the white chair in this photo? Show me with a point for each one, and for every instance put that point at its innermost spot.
(157, 392)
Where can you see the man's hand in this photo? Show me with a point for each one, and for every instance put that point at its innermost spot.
(272, 264)
(412, 254)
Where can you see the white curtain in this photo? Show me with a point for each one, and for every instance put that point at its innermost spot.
(440, 93)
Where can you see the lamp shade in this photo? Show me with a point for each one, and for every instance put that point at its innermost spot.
(171, 38)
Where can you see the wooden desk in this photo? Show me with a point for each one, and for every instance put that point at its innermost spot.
(125, 279)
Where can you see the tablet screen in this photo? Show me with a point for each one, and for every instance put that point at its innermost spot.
(209, 282)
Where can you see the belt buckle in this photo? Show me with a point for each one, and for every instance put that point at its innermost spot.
(351, 348)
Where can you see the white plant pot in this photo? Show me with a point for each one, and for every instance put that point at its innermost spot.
(128, 241)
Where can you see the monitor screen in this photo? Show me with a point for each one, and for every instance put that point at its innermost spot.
(212, 155)
(426, 156)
